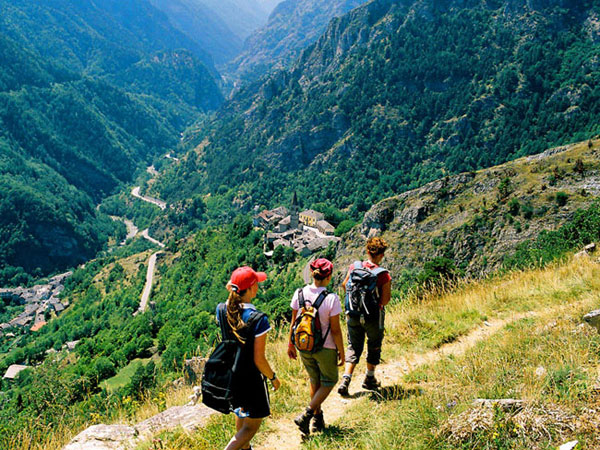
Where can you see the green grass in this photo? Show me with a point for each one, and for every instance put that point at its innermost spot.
(124, 376)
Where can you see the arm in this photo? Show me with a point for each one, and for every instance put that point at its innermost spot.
(261, 362)
(386, 293)
(336, 332)
(291, 349)
(345, 282)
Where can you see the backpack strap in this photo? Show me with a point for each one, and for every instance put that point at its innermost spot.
(358, 265)
(320, 299)
(378, 270)
(221, 313)
(301, 300)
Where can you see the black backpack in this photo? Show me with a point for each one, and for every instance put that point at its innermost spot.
(219, 377)
(362, 296)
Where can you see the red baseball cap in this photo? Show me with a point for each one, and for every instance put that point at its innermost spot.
(324, 266)
(244, 277)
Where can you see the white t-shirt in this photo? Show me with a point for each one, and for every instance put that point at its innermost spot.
(330, 307)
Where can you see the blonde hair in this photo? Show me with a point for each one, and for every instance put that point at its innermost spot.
(234, 314)
(317, 275)
(376, 246)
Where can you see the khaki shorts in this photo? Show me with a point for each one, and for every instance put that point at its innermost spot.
(321, 366)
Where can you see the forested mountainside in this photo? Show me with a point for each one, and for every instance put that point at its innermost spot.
(87, 94)
(291, 27)
(218, 26)
(398, 93)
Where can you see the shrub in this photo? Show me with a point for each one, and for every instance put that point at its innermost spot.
(561, 198)
(514, 207)
(527, 211)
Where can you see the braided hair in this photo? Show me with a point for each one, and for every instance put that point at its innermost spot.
(234, 312)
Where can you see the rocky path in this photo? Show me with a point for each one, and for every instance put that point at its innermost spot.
(285, 435)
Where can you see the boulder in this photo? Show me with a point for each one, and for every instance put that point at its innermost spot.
(189, 417)
(104, 437)
(593, 319)
(193, 369)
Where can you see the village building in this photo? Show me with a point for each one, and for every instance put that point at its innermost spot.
(325, 227)
(13, 371)
(21, 321)
(71, 345)
(38, 326)
(305, 232)
(268, 219)
(310, 217)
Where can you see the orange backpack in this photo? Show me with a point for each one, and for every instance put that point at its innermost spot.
(307, 334)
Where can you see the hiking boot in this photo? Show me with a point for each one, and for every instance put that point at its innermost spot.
(371, 383)
(303, 421)
(343, 388)
(318, 423)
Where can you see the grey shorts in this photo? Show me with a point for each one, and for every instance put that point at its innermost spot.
(321, 366)
(356, 340)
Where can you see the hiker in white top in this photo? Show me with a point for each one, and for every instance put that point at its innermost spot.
(319, 341)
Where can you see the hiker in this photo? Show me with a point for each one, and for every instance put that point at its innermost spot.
(360, 322)
(320, 355)
(251, 395)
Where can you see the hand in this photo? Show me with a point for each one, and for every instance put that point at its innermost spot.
(341, 359)
(276, 384)
(292, 351)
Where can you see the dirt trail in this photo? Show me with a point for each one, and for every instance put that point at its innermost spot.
(286, 436)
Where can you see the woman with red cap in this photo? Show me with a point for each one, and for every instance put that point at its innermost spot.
(250, 328)
(322, 365)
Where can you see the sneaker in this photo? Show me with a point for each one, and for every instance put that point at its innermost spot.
(371, 383)
(303, 421)
(343, 388)
(318, 423)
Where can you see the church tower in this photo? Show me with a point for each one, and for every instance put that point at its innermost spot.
(294, 213)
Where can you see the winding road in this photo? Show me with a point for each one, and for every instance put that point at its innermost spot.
(152, 262)
(132, 230)
(136, 193)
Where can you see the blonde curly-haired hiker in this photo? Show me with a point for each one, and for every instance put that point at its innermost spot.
(368, 289)
(316, 335)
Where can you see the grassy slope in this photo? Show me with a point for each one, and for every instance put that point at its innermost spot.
(501, 366)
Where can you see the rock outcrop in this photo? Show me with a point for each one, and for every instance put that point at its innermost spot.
(468, 218)
(105, 437)
(124, 437)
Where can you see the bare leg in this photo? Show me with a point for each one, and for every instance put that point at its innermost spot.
(245, 433)
(349, 369)
(319, 397)
(313, 390)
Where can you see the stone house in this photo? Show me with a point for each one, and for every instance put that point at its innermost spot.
(13, 371)
(325, 227)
